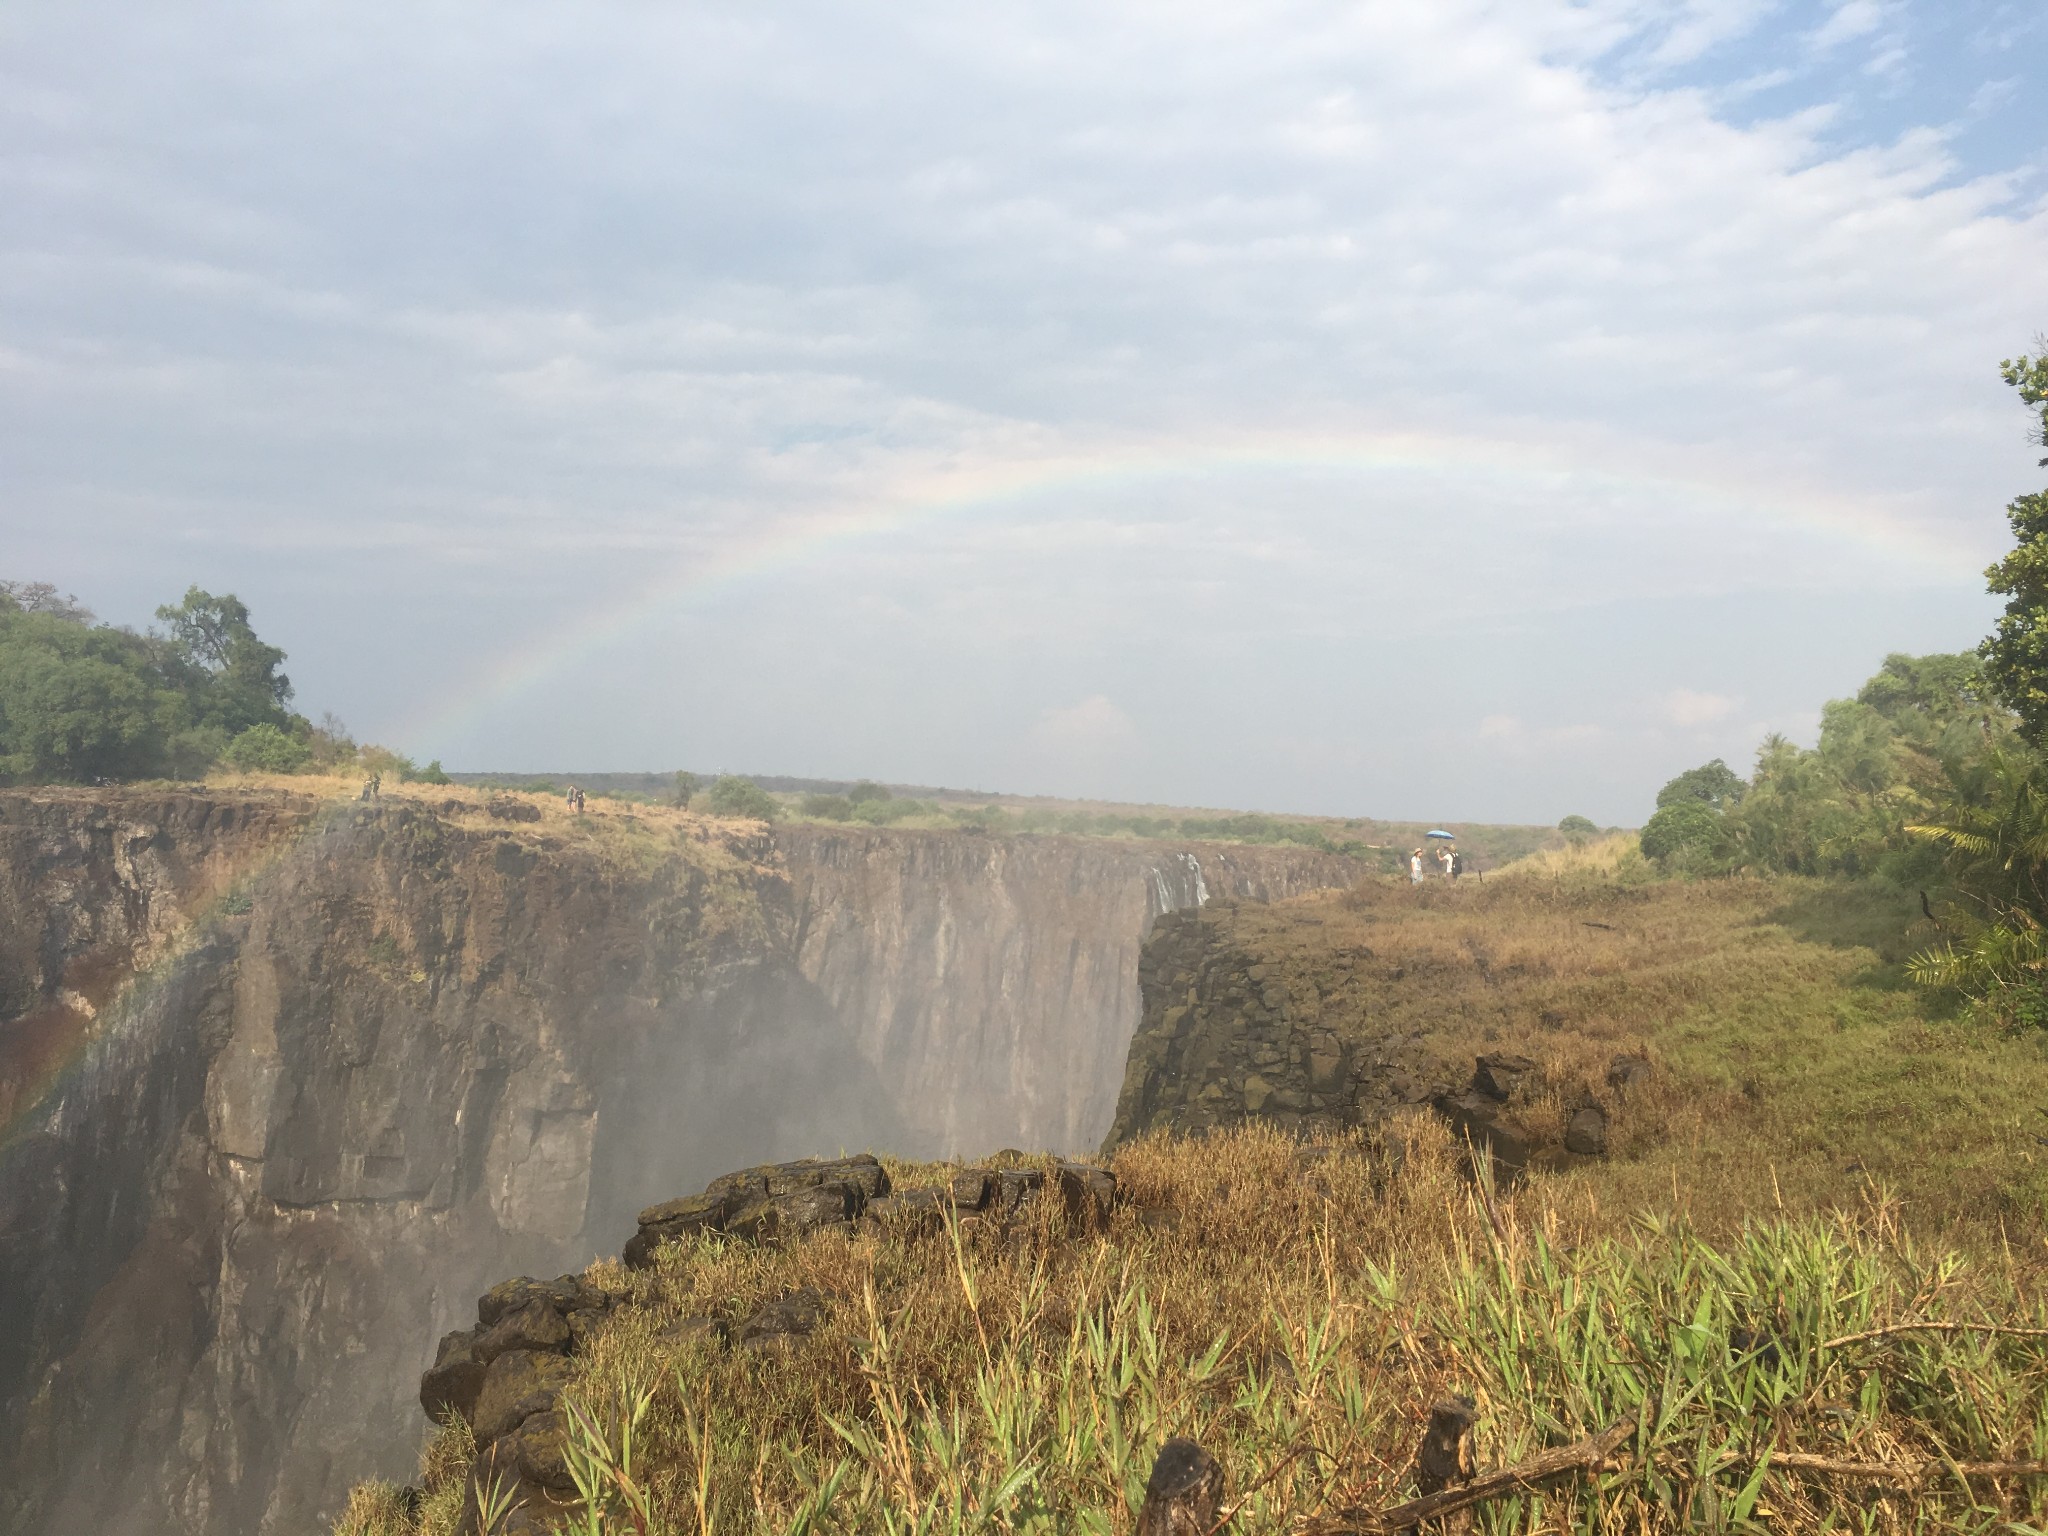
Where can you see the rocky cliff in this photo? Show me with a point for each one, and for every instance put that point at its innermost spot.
(997, 977)
(286, 1083)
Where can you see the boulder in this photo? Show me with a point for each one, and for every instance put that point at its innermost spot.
(538, 1445)
(1480, 1119)
(1500, 1073)
(517, 1385)
(784, 1323)
(565, 1293)
(796, 1212)
(1087, 1194)
(1586, 1132)
(511, 808)
(765, 1204)
(675, 1221)
(537, 1325)
(1626, 1072)
(922, 1209)
(451, 1385)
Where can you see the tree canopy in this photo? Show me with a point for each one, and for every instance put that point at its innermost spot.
(2016, 654)
(81, 701)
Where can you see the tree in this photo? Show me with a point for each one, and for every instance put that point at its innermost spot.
(1714, 785)
(233, 675)
(1577, 826)
(79, 703)
(736, 797)
(687, 784)
(1993, 837)
(41, 597)
(2016, 654)
(433, 774)
(2029, 375)
(866, 790)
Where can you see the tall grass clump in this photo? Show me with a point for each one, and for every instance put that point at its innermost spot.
(1297, 1310)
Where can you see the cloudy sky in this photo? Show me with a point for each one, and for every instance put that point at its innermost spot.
(1449, 410)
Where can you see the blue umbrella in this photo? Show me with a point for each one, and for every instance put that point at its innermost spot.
(1439, 834)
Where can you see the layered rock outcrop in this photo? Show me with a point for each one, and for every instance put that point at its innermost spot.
(287, 1082)
(1269, 1020)
(504, 1377)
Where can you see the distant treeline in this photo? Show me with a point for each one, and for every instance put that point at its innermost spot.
(83, 702)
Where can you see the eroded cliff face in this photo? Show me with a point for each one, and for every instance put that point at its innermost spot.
(287, 1083)
(997, 978)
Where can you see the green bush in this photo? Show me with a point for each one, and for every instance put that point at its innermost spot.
(827, 807)
(266, 749)
(736, 797)
(887, 811)
(432, 774)
(866, 790)
(1686, 835)
(1577, 826)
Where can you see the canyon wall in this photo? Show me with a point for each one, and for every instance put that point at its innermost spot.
(285, 1083)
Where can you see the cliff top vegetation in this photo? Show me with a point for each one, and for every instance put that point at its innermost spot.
(1297, 1311)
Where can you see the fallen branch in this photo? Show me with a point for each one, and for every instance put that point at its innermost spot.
(1885, 1333)
(1609, 927)
(1582, 1456)
(1905, 1471)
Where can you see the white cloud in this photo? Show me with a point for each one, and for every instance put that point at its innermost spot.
(1690, 710)
(1093, 729)
(1351, 354)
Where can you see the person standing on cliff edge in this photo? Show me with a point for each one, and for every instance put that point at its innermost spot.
(1415, 867)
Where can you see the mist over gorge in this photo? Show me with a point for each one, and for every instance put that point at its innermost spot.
(289, 1082)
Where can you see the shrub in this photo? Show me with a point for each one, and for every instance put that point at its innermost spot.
(1687, 835)
(375, 759)
(866, 790)
(741, 798)
(432, 774)
(266, 749)
(687, 784)
(827, 807)
(1577, 826)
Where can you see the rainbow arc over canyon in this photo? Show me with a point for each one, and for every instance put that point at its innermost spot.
(787, 544)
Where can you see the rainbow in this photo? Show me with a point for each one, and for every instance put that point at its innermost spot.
(920, 500)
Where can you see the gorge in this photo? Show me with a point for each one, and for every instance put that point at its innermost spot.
(285, 1082)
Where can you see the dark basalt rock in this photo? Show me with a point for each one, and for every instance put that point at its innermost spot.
(1500, 1073)
(1586, 1132)
(537, 1325)
(784, 1323)
(518, 1384)
(451, 1386)
(505, 1375)
(766, 1204)
(1481, 1120)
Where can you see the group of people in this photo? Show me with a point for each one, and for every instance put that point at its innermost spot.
(575, 799)
(1446, 855)
(373, 787)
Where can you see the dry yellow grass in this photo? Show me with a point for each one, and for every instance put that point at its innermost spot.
(1297, 1311)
